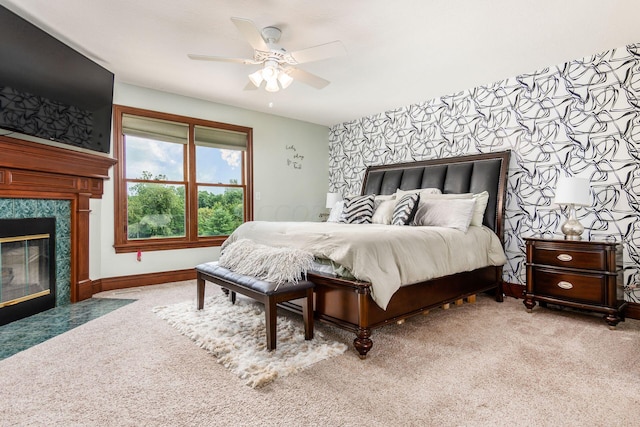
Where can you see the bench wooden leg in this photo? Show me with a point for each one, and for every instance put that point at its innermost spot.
(270, 312)
(307, 315)
(200, 281)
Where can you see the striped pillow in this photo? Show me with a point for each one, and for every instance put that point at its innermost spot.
(358, 209)
(405, 209)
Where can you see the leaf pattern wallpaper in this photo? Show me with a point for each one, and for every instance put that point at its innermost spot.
(580, 118)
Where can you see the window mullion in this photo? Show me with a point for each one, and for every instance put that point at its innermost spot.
(190, 168)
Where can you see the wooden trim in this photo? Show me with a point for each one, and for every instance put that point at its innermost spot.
(124, 282)
(33, 156)
(168, 244)
(633, 310)
(30, 169)
(513, 290)
(191, 240)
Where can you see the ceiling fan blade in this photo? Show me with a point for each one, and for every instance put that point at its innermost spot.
(221, 59)
(320, 52)
(251, 33)
(307, 78)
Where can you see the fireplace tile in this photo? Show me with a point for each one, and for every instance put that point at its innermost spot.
(64, 209)
(6, 208)
(63, 284)
(25, 208)
(46, 208)
(63, 244)
(63, 225)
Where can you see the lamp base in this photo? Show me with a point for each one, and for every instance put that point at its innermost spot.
(572, 228)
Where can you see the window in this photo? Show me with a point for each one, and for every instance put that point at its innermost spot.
(180, 182)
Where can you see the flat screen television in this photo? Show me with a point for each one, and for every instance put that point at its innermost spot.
(49, 91)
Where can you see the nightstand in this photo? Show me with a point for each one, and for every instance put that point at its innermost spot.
(583, 274)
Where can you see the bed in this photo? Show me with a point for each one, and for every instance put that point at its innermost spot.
(351, 304)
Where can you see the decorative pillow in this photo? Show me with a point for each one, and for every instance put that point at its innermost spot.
(382, 198)
(481, 205)
(448, 196)
(405, 209)
(384, 212)
(336, 212)
(358, 209)
(421, 191)
(451, 213)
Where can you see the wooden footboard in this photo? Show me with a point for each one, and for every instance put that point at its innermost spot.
(348, 304)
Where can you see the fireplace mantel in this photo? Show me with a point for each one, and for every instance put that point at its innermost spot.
(39, 171)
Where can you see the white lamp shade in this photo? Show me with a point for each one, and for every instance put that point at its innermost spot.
(572, 191)
(284, 79)
(256, 78)
(272, 85)
(332, 199)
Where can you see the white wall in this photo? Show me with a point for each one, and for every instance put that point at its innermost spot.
(290, 187)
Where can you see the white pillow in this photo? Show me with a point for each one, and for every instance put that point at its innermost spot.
(448, 196)
(481, 205)
(381, 198)
(435, 196)
(422, 191)
(448, 212)
(384, 212)
(336, 212)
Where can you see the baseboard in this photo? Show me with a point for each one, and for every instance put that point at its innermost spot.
(123, 282)
(85, 290)
(513, 290)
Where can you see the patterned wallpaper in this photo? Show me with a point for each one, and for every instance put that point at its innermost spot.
(579, 118)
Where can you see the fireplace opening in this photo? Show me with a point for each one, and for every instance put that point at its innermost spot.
(27, 262)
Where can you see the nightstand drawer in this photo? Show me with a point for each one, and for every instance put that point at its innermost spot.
(570, 258)
(587, 288)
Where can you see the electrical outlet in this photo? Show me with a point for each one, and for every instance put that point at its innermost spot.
(258, 195)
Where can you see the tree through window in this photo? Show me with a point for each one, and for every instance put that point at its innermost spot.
(180, 182)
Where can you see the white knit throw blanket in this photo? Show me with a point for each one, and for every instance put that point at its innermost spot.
(268, 263)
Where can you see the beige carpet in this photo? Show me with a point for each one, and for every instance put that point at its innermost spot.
(486, 364)
(235, 335)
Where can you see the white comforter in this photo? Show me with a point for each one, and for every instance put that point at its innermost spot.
(387, 256)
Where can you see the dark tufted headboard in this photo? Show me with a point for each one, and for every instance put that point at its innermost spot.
(466, 174)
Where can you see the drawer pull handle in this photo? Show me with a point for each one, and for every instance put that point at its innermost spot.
(565, 285)
(565, 257)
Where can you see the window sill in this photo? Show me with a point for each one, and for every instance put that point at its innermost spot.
(153, 245)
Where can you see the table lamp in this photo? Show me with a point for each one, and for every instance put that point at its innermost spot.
(572, 192)
(332, 199)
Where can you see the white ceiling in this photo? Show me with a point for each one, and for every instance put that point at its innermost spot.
(399, 52)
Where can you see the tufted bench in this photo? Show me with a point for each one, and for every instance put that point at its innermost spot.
(266, 292)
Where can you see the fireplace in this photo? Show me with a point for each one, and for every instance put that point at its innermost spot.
(27, 262)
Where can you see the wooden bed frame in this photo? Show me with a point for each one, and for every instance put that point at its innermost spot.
(348, 304)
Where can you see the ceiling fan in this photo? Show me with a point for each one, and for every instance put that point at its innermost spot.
(278, 66)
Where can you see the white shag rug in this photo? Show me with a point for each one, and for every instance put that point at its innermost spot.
(236, 336)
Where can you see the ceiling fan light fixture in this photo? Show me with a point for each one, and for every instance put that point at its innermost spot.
(256, 78)
(269, 73)
(272, 85)
(284, 79)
